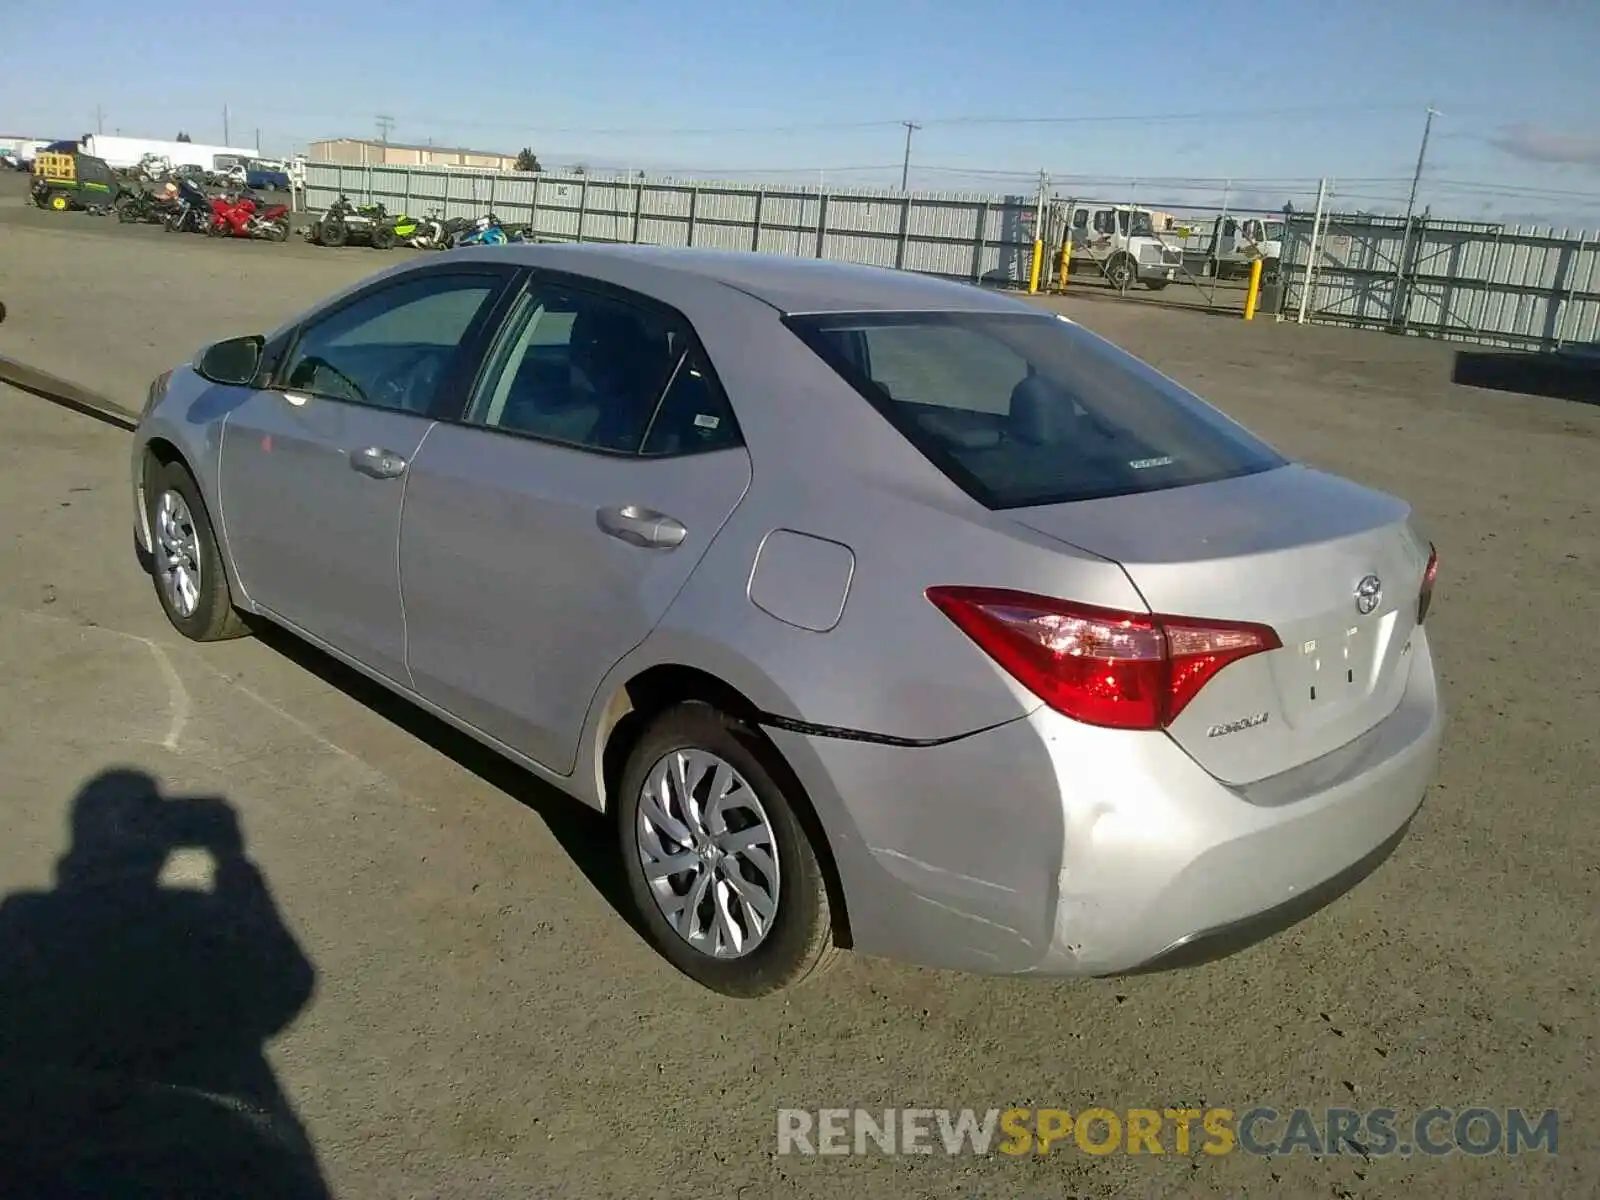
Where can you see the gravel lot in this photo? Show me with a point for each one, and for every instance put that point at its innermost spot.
(484, 1023)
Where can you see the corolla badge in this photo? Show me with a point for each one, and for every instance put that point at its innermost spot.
(1369, 594)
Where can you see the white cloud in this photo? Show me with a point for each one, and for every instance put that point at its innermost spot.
(1533, 144)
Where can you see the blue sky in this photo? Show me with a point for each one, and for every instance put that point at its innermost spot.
(1180, 96)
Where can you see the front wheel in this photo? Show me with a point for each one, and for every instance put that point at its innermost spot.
(1155, 285)
(1121, 273)
(382, 237)
(333, 233)
(718, 862)
(186, 564)
(278, 230)
(59, 203)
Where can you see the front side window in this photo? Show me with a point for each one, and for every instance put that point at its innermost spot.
(1021, 410)
(392, 348)
(592, 370)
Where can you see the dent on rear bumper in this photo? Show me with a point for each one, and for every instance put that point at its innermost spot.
(1047, 847)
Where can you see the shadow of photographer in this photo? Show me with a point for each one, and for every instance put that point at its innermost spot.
(134, 1015)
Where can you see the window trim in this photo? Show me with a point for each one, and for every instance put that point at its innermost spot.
(532, 278)
(469, 350)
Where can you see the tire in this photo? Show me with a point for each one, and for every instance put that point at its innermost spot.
(58, 202)
(382, 237)
(278, 231)
(1122, 273)
(127, 215)
(1155, 285)
(211, 617)
(333, 233)
(797, 941)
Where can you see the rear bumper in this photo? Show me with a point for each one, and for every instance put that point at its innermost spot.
(1047, 847)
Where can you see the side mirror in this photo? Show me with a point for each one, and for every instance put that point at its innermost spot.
(234, 362)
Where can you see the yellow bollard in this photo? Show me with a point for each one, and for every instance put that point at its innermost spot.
(1038, 264)
(1064, 266)
(1253, 296)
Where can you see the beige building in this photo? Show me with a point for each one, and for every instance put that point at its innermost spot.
(356, 152)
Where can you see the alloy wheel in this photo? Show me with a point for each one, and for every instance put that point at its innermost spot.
(708, 852)
(177, 554)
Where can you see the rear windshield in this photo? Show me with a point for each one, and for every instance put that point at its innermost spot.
(1019, 409)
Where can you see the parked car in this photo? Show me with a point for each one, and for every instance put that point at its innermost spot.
(878, 611)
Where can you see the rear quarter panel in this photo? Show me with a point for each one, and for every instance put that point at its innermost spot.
(825, 464)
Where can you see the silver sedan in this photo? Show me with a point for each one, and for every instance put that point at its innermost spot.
(879, 611)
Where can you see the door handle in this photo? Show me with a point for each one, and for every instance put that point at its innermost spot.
(641, 526)
(378, 462)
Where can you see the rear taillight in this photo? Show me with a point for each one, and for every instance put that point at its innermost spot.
(1425, 597)
(1101, 666)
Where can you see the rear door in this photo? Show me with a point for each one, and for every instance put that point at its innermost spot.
(314, 465)
(546, 533)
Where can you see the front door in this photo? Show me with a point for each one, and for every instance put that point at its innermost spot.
(545, 535)
(314, 467)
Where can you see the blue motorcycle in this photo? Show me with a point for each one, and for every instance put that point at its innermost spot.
(485, 232)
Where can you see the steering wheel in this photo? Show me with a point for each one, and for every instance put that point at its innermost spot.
(410, 386)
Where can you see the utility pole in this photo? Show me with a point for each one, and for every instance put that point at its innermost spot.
(905, 163)
(258, 139)
(99, 119)
(1422, 156)
(1411, 204)
(226, 140)
(385, 124)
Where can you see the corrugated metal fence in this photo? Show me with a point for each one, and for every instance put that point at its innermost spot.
(958, 235)
(1501, 285)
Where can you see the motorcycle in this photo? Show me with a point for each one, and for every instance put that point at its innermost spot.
(244, 216)
(191, 212)
(143, 207)
(485, 231)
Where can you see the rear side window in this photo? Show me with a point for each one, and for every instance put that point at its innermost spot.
(1023, 409)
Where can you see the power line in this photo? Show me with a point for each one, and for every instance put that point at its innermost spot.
(1161, 118)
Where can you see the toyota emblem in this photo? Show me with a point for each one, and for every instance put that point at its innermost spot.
(1369, 594)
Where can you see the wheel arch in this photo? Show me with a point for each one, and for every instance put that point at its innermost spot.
(159, 451)
(646, 693)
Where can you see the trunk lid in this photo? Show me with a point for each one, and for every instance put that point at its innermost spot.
(1288, 548)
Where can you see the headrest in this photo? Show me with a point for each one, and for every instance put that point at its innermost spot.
(1040, 412)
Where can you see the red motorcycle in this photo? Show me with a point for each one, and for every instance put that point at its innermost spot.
(246, 217)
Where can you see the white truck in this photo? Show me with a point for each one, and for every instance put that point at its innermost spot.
(1227, 244)
(121, 153)
(1120, 242)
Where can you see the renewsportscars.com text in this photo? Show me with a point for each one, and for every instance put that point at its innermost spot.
(1374, 1132)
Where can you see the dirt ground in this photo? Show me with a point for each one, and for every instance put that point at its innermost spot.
(483, 1021)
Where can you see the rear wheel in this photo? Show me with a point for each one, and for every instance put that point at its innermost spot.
(333, 233)
(186, 564)
(1155, 285)
(382, 237)
(58, 202)
(278, 230)
(719, 865)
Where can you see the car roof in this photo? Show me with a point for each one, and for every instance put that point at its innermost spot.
(788, 283)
